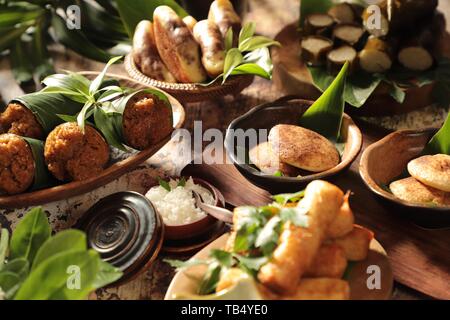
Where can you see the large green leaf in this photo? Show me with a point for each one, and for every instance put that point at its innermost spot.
(132, 12)
(9, 35)
(31, 232)
(58, 272)
(440, 143)
(64, 241)
(4, 244)
(325, 115)
(77, 41)
(9, 283)
(42, 177)
(19, 266)
(106, 274)
(358, 87)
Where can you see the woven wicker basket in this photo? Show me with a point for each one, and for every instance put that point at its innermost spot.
(190, 92)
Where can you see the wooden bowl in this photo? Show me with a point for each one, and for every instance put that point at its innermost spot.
(190, 92)
(385, 161)
(111, 173)
(185, 283)
(291, 76)
(287, 110)
(197, 227)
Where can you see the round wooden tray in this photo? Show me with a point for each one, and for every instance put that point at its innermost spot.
(291, 76)
(185, 283)
(190, 92)
(111, 173)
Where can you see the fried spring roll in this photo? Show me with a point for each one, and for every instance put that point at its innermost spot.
(356, 243)
(320, 289)
(298, 246)
(343, 223)
(330, 262)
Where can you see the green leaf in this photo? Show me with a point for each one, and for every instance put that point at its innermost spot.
(19, 266)
(440, 142)
(4, 243)
(77, 41)
(397, 93)
(42, 177)
(325, 115)
(59, 271)
(64, 241)
(232, 59)
(224, 258)
(31, 232)
(278, 173)
(257, 42)
(84, 114)
(106, 275)
(164, 184)
(298, 216)
(13, 15)
(252, 263)
(358, 86)
(132, 12)
(96, 83)
(9, 283)
(182, 182)
(21, 65)
(106, 124)
(247, 31)
(267, 239)
(284, 198)
(211, 278)
(228, 39)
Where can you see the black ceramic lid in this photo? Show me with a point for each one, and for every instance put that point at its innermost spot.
(126, 230)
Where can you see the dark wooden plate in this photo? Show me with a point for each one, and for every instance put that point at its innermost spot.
(386, 160)
(287, 110)
(291, 76)
(190, 92)
(111, 173)
(185, 284)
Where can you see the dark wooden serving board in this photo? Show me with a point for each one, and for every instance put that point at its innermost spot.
(420, 258)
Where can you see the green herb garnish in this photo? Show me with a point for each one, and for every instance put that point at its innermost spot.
(278, 173)
(182, 182)
(284, 198)
(164, 184)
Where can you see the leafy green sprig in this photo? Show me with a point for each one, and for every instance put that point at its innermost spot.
(32, 255)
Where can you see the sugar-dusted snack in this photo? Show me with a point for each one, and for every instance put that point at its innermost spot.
(432, 170)
(414, 191)
(177, 47)
(145, 53)
(303, 148)
(268, 162)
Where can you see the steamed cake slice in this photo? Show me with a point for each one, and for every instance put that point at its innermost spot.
(434, 171)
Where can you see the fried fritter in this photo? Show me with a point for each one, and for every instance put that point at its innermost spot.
(19, 120)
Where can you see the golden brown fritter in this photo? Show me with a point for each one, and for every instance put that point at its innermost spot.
(72, 155)
(19, 120)
(16, 164)
(146, 121)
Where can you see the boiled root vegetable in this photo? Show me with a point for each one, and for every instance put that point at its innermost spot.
(415, 58)
(315, 49)
(343, 13)
(376, 57)
(336, 58)
(347, 33)
(318, 24)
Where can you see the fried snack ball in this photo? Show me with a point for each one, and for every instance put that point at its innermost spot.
(146, 120)
(433, 171)
(19, 120)
(72, 155)
(16, 164)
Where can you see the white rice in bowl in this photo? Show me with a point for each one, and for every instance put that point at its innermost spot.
(177, 206)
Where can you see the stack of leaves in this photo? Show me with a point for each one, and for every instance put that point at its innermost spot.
(37, 266)
(257, 236)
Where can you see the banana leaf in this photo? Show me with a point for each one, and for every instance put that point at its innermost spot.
(46, 106)
(440, 143)
(42, 178)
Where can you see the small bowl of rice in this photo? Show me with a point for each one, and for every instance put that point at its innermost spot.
(175, 202)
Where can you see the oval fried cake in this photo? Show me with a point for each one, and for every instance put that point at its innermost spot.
(303, 148)
(434, 171)
(414, 191)
(266, 160)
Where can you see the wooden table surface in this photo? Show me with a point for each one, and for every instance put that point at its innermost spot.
(410, 247)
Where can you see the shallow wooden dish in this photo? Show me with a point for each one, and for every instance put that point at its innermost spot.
(184, 284)
(111, 173)
(287, 111)
(385, 161)
(291, 76)
(190, 92)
